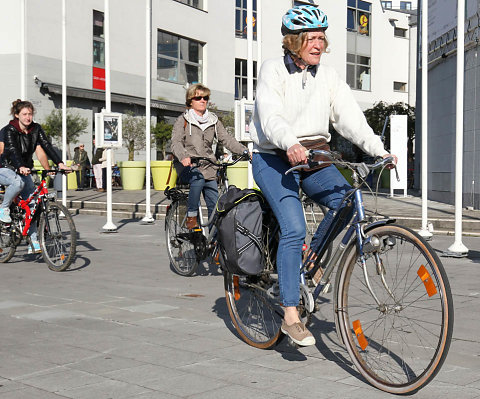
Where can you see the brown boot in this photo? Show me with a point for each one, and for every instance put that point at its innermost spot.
(191, 222)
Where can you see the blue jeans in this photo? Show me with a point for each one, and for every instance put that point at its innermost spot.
(325, 186)
(198, 184)
(13, 185)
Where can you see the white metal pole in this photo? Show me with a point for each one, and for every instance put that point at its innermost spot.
(109, 226)
(64, 100)
(23, 91)
(148, 73)
(249, 77)
(424, 232)
(458, 248)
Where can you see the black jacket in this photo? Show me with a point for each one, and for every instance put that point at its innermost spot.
(19, 147)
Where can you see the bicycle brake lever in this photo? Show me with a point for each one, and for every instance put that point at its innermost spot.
(297, 167)
(396, 173)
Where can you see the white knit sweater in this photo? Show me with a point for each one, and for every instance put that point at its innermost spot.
(285, 112)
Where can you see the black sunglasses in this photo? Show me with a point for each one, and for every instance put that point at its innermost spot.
(198, 98)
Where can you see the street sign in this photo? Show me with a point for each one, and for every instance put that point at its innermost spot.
(243, 117)
(108, 130)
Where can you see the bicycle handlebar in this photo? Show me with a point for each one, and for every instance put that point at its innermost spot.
(197, 160)
(53, 171)
(334, 157)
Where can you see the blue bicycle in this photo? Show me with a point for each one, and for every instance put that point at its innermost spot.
(392, 301)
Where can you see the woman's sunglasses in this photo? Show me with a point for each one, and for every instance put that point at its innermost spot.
(198, 98)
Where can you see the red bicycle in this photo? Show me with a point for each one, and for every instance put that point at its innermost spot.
(56, 230)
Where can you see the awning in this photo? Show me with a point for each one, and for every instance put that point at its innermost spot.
(116, 98)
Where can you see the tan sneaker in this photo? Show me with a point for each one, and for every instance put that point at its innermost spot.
(298, 333)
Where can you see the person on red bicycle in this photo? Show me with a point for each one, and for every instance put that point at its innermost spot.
(23, 137)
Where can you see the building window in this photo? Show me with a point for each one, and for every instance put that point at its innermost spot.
(405, 5)
(241, 19)
(358, 16)
(98, 40)
(399, 86)
(358, 72)
(400, 32)
(192, 3)
(386, 4)
(178, 59)
(241, 78)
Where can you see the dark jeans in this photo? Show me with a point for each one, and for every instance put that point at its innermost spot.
(198, 184)
(81, 177)
(104, 178)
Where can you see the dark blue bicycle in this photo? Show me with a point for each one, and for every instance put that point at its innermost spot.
(392, 301)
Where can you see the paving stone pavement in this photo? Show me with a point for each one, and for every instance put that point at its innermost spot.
(121, 324)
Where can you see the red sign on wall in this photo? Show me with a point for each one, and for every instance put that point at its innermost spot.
(98, 78)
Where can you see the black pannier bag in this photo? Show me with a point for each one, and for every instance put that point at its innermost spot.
(239, 234)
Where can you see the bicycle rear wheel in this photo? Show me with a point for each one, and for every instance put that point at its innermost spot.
(57, 236)
(181, 251)
(254, 301)
(399, 344)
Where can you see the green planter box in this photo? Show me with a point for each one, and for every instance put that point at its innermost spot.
(38, 166)
(160, 171)
(347, 174)
(238, 175)
(71, 178)
(132, 174)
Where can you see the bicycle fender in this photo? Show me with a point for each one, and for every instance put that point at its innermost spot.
(377, 223)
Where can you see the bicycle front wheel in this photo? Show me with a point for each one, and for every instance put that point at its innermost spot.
(399, 340)
(58, 237)
(181, 250)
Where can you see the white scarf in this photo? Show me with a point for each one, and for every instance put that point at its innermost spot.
(201, 119)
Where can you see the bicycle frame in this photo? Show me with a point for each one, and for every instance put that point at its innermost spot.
(38, 194)
(208, 229)
(353, 200)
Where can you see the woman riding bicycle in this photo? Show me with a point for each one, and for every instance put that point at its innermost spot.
(296, 99)
(193, 135)
(23, 137)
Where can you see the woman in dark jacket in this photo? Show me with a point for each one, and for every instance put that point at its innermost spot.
(193, 135)
(23, 137)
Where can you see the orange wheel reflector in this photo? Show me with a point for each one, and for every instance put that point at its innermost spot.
(357, 328)
(236, 288)
(62, 256)
(217, 256)
(427, 281)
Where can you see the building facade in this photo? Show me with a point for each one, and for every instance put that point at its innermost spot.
(442, 78)
(192, 41)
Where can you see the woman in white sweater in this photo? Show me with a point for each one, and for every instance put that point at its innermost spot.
(295, 101)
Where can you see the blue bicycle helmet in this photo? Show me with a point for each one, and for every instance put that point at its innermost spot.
(303, 18)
